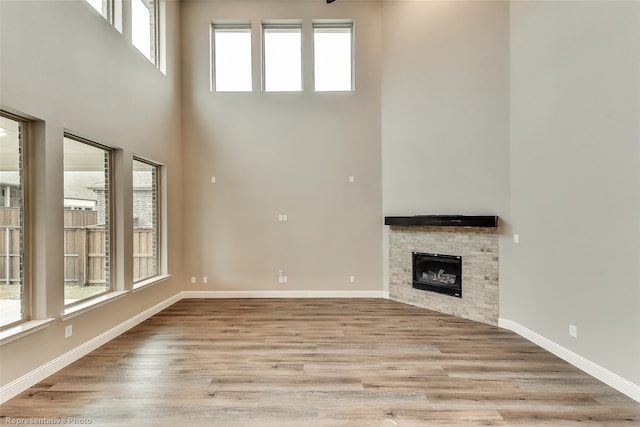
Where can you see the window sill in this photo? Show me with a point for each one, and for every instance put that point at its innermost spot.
(91, 304)
(143, 284)
(24, 329)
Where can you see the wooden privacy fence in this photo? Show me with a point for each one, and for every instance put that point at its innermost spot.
(9, 245)
(85, 260)
(144, 263)
(9, 255)
(85, 257)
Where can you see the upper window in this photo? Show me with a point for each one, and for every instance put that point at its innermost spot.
(13, 305)
(333, 57)
(111, 10)
(102, 6)
(145, 219)
(232, 58)
(282, 58)
(87, 219)
(143, 27)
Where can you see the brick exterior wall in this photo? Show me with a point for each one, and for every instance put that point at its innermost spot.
(101, 207)
(143, 204)
(143, 208)
(478, 248)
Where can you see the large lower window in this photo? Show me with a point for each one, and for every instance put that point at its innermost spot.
(145, 219)
(332, 57)
(13, 307)
(282, 58)
(143, 27)
(87, 219)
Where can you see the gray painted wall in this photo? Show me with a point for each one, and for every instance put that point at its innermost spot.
(575, 177)
(282, 153)
(445, 100)
(532, 107)
(62, 64)
(445, 112)
(533, 110)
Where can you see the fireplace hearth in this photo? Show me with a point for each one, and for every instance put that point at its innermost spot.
(454, 235)
(437, 273)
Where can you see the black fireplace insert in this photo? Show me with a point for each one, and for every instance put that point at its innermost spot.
(438, 273)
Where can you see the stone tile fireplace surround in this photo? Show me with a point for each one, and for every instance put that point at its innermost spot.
(477, 244)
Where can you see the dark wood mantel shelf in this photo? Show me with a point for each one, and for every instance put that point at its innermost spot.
(442, 221)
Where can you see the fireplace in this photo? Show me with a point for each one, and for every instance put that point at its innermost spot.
(438, 273)
(474, 239)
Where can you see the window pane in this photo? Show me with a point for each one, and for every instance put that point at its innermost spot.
(232, 64)
(86, 220)
(332, 59)
(100, 5)
(11, 215)
(282, 59)
(143, 27)
(145, 220)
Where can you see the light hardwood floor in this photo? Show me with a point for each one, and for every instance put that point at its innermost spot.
(321, 363)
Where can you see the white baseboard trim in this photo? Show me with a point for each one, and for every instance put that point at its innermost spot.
(614, 380)
(32, 378)
(284, 294)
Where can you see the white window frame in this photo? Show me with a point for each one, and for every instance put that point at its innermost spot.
(157, 221)
(111, 12)
(285, 26)
(105, 8)
(244, 27)
(25, 300)
(154, 50)
(110, 229)
(335, 25)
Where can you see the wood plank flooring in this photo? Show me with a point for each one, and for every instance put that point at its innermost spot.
(321, 363)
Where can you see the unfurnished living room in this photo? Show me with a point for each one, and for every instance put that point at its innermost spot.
(347, 213)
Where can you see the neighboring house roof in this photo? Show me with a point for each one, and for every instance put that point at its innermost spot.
(75, 184)
(141, 182)
(9, 177)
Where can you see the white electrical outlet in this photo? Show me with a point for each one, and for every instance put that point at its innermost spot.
(573, 331)
(352, 279)
(193, 280)
(281, 276)
(516, 238)
(213, 179)
(283, 218)
(351, 179)
(205, 279)
(68, 331)
(285, 279)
